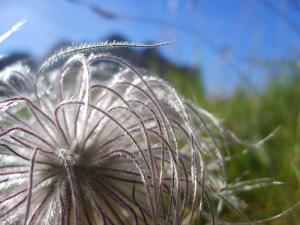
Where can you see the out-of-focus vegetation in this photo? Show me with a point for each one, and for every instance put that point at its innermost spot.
(255, 115)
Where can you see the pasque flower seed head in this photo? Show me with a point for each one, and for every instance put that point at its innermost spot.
(79, 146)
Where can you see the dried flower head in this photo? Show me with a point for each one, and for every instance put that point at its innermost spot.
(79, 146)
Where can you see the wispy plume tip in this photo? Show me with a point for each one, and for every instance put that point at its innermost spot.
(94, 48)
(12, 30)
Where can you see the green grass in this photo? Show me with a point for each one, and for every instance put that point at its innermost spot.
(252, 116)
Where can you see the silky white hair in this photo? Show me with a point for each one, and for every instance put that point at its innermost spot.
(124, 148)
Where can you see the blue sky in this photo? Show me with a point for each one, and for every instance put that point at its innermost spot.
(228, 38)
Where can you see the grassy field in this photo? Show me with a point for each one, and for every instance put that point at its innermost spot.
(253, 116)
